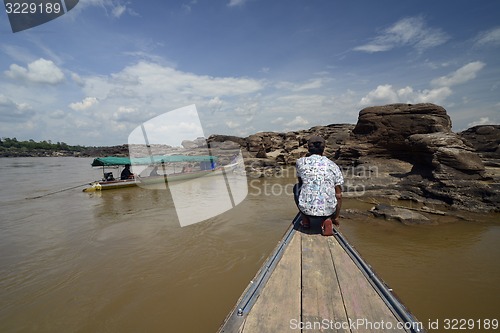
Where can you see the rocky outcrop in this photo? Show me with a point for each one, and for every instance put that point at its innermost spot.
(446, 155)
(388, 127)
(485, 139)
(197, 143)
(403, 215)
(285, 148)
(397, 151)
(440, 165)
(420, 134)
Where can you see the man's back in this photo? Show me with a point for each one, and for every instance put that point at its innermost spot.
(319, 177)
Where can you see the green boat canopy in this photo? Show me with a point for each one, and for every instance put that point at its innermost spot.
(115, 161)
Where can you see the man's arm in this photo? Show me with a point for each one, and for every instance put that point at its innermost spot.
(338, 195)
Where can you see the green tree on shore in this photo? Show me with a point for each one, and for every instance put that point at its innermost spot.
(13, 143)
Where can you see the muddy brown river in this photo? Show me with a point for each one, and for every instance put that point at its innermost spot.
(119, 261)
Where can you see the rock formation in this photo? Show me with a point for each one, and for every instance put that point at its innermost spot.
(403, 215)
(485, 140)
(387, 128)
(397, 151)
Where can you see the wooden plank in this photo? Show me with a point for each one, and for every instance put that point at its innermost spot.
(322, 304)
(279, 301)
(362, 303)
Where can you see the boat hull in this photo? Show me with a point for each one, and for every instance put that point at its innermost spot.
(110, 185)
(117, 184)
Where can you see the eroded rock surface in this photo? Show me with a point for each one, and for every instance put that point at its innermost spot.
(396, 151)
(403, 215)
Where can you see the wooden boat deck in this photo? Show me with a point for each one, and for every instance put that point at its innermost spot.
(315, 286)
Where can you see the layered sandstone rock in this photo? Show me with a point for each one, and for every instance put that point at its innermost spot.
(399, 151)
(388, 127)
(485, 139)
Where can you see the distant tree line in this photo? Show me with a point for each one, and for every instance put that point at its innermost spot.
(11, 147)
(8, 143)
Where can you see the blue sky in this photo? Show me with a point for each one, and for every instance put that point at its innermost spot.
(93, 75)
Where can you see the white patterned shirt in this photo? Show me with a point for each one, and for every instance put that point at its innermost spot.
(319, 177)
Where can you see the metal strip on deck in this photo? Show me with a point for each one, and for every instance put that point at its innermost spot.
(381, 287)
(237, 317)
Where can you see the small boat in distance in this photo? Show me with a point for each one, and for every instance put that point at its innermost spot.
(155, 169)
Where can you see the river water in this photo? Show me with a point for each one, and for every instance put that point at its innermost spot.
(119, 261)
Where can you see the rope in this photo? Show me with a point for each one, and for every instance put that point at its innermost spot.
(66, 189)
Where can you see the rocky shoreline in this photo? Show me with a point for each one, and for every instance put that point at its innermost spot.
(400, 153)
(397, 152)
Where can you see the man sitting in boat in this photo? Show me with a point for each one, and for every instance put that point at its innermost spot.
(108, 176)
(320, 186)
(126, 173)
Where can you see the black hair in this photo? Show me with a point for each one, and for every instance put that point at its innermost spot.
(316, 148)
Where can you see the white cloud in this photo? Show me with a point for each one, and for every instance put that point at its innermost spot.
(382, 94)
(171, 127)
(144, 90)
(247, 110)
(481, 121)
(374, 47)
(461, 75)
(11, 111)
(125, 114)
(436, 96)
(298, 121)
(410, 31)
(150, 79)
(490, 37)
(19, 53)
(278, 120)
(57, 114)
(232, 124)
(85, 104)
(436, 65)
(77, 79)
(118, 10)
(39, 71)
(386, 94)
(234, 3)
(215, 104)
(308, 85)
(117, 7)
